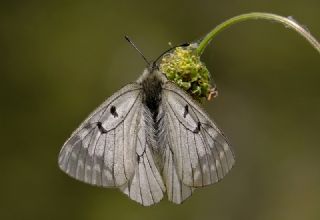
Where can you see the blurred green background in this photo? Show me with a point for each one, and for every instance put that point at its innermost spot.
(61, 59)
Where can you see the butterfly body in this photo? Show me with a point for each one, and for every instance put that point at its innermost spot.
(152, 81)
(148, 139)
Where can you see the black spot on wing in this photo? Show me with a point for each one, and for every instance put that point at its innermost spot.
(197, 129)
(186, 111)
(101, 129)
(113, 111)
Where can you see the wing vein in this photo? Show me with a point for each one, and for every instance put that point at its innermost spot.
(190, 159)
(217, 152)
(94, 153)
(199, 162)
(67, 164)
(145, 168)
(207, 155)
(103, 164)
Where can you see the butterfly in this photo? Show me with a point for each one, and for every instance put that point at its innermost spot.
(149, 139)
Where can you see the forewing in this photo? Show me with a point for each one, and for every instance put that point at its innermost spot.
(102, 150)
(202, 154)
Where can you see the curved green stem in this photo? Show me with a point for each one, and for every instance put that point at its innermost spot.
(258, 15)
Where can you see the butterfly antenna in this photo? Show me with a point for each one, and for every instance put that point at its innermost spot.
(172, 48)
(135, 47)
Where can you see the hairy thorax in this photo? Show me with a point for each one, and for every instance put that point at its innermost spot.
(152, 87)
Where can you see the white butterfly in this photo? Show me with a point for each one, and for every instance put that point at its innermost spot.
(148, 139)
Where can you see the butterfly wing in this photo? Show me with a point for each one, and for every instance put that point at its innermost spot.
(200, 151)
(112, 148)
(177, 191)
(146, 186)
(102, 150)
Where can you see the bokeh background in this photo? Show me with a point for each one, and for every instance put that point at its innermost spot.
(61, 59)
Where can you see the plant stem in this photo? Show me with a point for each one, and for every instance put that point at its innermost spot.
(288, 22)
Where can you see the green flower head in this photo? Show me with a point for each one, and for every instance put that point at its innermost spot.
(184, 67)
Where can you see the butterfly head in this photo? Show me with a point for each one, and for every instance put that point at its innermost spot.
(181, 65)
(152, 66)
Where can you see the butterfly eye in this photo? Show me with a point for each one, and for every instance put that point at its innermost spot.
(186, 111)
(113, 111)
